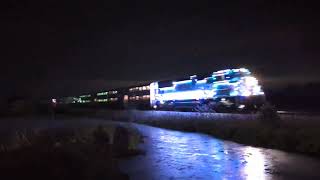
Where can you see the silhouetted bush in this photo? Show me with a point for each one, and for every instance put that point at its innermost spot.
(121, 146)
(268, 115)
(65, 154)
(101, 136)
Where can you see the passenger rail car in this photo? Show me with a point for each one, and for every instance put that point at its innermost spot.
(221, 91)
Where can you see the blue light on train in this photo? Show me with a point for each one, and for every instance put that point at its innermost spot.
(202, 81)
(234, 93)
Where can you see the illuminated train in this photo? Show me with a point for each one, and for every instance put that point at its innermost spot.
(222, 91)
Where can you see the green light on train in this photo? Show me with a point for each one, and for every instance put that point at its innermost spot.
(102, 93)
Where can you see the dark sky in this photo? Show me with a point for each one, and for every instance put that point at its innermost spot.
(65, 47)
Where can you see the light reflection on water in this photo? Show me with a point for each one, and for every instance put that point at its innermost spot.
(180, 155)
(191, 155)
(255, 166)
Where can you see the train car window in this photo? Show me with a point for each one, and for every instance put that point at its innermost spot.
(210, 80)
(185, 86)
(219, 78)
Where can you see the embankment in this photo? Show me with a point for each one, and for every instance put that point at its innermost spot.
(292, 133)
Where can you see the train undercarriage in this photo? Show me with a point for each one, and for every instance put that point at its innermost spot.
(219, 105)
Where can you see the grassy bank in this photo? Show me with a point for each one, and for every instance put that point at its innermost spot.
(290, 133)
(83, 153)
(263, 131)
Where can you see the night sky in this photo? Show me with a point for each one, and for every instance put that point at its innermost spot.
(56, 48)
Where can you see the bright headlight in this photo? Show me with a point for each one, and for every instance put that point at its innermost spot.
(251, 81)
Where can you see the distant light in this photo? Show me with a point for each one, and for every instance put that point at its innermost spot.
(54, 101)
(241, 106)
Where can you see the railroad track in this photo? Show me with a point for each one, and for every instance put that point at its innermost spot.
(298, 113)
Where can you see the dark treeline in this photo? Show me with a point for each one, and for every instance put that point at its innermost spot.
(304, 97)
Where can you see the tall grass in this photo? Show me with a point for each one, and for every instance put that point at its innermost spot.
(265, 129)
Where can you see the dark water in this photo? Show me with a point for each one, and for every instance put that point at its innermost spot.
(180, 155)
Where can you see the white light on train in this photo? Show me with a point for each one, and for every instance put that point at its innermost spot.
(181, 82)
(241, 106)
(244, 70)
(184, 95)
(251, 81)
(246, 93)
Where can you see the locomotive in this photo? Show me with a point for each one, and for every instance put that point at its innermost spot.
(221, 91)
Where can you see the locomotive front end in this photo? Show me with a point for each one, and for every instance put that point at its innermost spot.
(221, 91)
